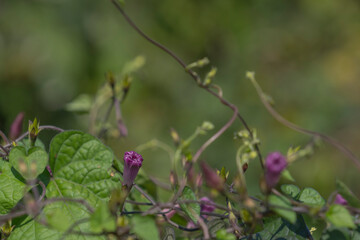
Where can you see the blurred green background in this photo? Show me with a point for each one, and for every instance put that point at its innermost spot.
(305, 53)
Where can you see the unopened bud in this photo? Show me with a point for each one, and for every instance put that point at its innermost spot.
(16, 126)
(245, 166)
(49, 170)
(173, 179)
(111, 80)
(6, 229)
(126, 83)
(207, 126)
(209, 77)
(207, 205)
(199, 181)
(211, 178)
(275, 163)
(340, 200)
(34, 129)
(132, 164)
(175, 136)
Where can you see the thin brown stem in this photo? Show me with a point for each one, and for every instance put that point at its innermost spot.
(193, 74)
(44, 127)
(297, 128)
(215, 136)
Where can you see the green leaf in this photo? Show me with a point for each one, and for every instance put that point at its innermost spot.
(81, 104)
(102, 220)
(340, 216)
(28, 163)
(281, 204)
(279, 228)
(74, 146)
(333, 233)
(145, 227)
(134, 65)
(57, 219)
(290, 190)
(346, 193)
(32, 230)
(285, 174)
(355, 234)
(81, 167)
(12, 189)
(191, 209)
(224, 235)
(311, 197)
(26, 143)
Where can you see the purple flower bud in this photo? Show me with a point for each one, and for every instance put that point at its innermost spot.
(49, 170)
(275, 163)
(340, 200)
(212, 179)
(16, 126)
(207, 206)
(132, 163)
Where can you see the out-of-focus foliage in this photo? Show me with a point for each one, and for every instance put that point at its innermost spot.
(305, 54)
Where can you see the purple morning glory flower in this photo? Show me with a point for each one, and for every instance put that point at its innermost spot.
(340, 200)
(275, 163)
(132, 163)
(207, 206)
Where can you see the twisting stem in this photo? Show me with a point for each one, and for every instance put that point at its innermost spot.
(190, 71)
(297, 128)
(50, 127)
(43, 190)
(44, 127)
(215, 136)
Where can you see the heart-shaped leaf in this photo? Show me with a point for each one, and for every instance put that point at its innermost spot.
(340, 216)
(191, 209)
(81, 167)
(28, 163)
(311, 197)
(291, 190)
